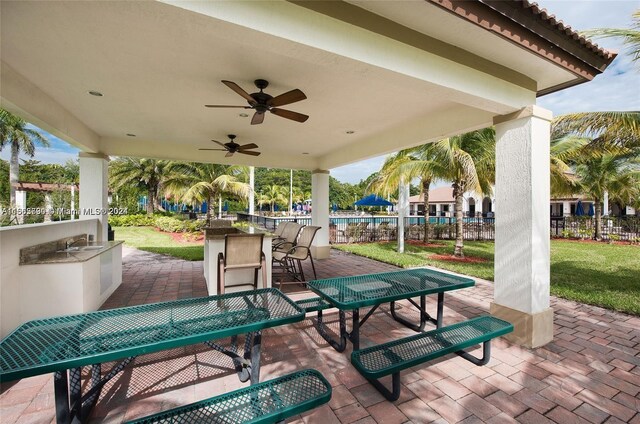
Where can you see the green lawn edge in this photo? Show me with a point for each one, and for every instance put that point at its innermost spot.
(597, 274)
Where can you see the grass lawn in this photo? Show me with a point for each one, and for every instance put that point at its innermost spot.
(151, 240)
(594, 273)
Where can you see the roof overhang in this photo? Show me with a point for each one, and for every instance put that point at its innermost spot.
(398, 74)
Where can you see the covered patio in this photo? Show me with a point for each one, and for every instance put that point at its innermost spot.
(132, 79)
(590, 373)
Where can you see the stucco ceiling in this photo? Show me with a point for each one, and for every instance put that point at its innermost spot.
(157, 65)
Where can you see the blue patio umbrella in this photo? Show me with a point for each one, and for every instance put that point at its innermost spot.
(579, 209)
(373, 200)
(334, 207)
(591, 210)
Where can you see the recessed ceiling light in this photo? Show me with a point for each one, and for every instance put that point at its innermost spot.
(350, 132)
(95, 93)
(243, 115)
(305, 153)
(130, 135)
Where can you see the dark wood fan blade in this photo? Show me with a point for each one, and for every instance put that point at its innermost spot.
(287, 98)
(294, 116)
(248, 146)
(220, 143)
(237, 107)
(220, 150)
(257, 118)
(248, 152)
(228, 155)
(235, 87)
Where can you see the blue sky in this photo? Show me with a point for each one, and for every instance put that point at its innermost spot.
(617, 89)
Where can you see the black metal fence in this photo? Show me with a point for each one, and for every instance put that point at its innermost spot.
(626, 228)
(362, 229)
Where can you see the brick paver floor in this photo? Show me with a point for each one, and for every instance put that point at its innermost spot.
(590, 373)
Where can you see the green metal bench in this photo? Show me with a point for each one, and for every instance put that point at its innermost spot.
(268, 402)
(313, 304)
(390, 358)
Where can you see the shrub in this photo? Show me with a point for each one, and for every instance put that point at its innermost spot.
(132, 220)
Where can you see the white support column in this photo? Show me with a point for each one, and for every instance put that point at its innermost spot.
(94, 180)
(522, 248)
(566, 208)
(252, 194)
(605, 206)
(403, 209)
(21, 205)
(73, 202)
(320, 213)
(48, 207)
(437, 209)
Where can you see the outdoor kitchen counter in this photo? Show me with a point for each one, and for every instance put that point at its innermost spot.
(78, 253)
(214, 245)
(218, 233)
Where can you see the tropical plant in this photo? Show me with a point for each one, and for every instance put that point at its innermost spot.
(609, 131)
(407, 165)
(15, 134)
(145, 174)
(564, 152)
(205, 182)
(272, 195)
(630, 36)
(468, 161)
(619, 175)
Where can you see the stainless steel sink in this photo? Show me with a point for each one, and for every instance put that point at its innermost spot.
(73, 249)
(82, 248)
(70, 249)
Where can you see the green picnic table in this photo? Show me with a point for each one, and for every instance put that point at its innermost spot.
(63, 345)
(372, 290)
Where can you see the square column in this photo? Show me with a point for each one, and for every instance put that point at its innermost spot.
(21, 204)
(94, 181)
(522, 247)
(320, 248)
(403, 211)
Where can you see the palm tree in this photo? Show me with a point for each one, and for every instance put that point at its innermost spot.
(407, 165)
(205, 182)
(564, 152)
(469, 161)
(273, 194)
(630, 36)
(146, 174)
(619, 175)
(14, 133)
(610, 131)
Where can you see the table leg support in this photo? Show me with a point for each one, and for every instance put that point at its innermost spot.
(392, 395)
(355, 330)
(255, 357)
(61, 391)
(340, 345)
(424, 316)
(486, 355)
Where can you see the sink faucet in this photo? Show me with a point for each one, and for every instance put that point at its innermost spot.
(71, 243)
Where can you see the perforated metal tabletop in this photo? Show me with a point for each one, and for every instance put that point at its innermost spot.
(66, 342)
(359, 291)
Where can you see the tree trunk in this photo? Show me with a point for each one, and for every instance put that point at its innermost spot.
(598, 213)
(273, 206)
(457, 194)
(427, 225)
(14, 172)
(209, 209)
(150, 201)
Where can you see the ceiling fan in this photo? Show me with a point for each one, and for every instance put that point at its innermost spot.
(262, 102)
(232, 147)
